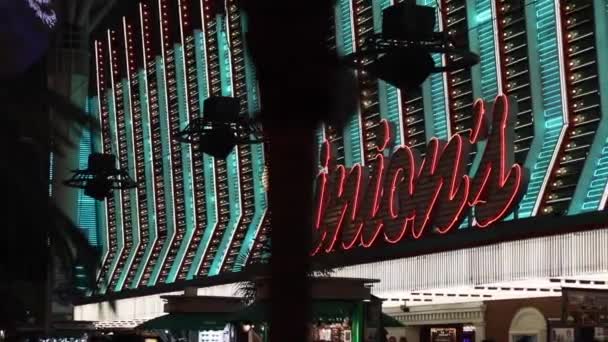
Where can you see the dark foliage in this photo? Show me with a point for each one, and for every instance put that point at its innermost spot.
(35, 232)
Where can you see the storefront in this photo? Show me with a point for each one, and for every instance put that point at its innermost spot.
(584, 316)
(343, 310)
(440, 323)
(578, 315)
(198, 319)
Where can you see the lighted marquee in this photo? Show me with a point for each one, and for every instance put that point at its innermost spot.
(405, 195)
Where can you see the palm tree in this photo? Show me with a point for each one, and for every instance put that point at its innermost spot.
(37, 236)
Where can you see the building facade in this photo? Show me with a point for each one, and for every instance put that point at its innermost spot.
(193, 216)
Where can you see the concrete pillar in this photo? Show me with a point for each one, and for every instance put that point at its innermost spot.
(412, 333)
(480, 332)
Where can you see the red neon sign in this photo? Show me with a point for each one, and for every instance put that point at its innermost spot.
(406, 196)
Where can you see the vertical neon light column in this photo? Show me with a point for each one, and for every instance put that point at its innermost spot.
(553, 116)
(592, 189)
(369, 99)
(150, 37)
(190, 18)
(389, 96)
(134, 154)
(260, 204)
(209, 84)
(233, 207)
(110, 238)
(136, 88)
(218, 68)
(329, 132)
(436, 122)
(86, 209)
(582, 103)
(118, 120)
(353, 142)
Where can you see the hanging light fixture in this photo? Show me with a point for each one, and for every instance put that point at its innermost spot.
(100, 177)
(401, 54)
(221, 128)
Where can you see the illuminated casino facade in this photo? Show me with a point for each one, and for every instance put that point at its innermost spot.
(193, 216)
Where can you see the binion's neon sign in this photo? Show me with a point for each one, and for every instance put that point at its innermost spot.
(405, 196)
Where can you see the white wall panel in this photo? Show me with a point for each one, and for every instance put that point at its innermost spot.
(556, 256)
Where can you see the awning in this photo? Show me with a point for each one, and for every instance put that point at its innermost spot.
(391, 322)
(188, 321)
(321, 310)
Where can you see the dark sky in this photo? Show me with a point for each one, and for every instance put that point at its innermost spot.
(24, 37)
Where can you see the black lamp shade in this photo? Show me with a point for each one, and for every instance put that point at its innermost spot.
(405, 69)
(408, 21)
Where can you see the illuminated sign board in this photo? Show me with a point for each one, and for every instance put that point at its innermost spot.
(405, 197)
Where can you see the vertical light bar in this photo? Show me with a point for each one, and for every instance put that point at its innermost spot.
(167, 168)
(389, 97)
(435, 93)
(353, 147)
(564, 106)
(187, 159)
(135, 226)
(592, 191)
(233, 170)
(553, 110)
(119, 208)
(106, 244)
(208, 161)
(152, 213)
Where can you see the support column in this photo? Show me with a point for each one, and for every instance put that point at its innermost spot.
(480, 332)
(412, 333)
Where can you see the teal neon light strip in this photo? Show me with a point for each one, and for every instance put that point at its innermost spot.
(120, 243)
(201, 67)
(257, 155)
(593, 183)
(487, 53)
(345, 46)
(87, 213)
(152, 229)
(167, 169)
(187, 165)
(552, 117)
(208, 163)
(212, 215)
(232, 162)
(234, 196)
(126, 86)
(100, 207)
(388, 95)
(433, 89)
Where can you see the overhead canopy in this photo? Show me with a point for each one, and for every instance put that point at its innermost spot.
(321, 310)
(188, 321)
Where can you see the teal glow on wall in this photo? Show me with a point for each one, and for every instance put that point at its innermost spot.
(86, 207)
